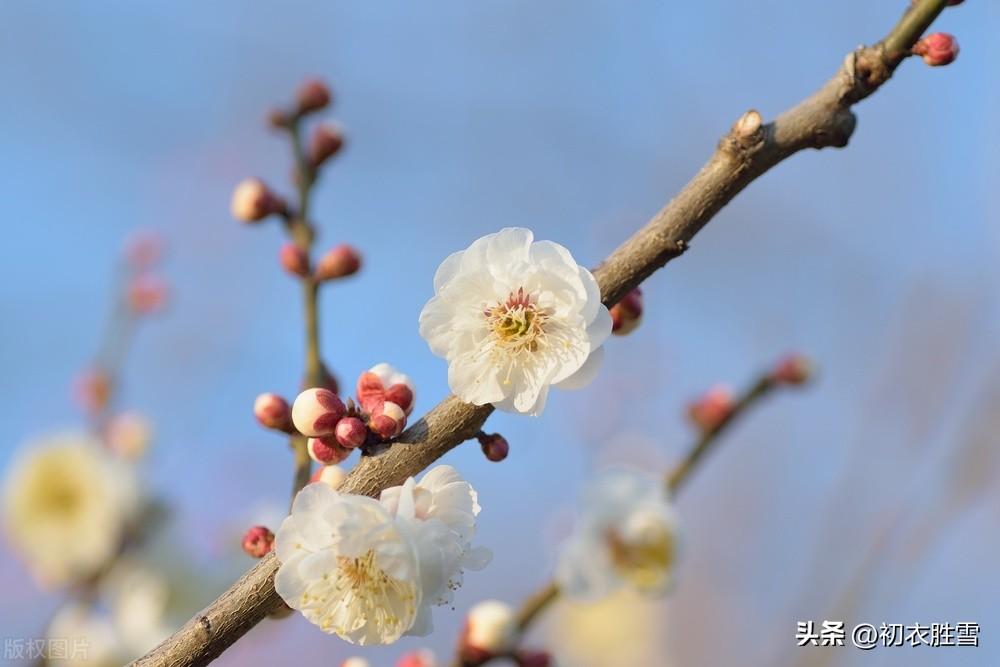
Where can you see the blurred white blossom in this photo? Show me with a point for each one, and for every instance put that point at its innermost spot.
(512, 317)
(88, 637)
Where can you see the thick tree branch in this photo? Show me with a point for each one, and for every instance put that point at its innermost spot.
(747, 151)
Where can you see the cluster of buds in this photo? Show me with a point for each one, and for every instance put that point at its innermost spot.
(627, 313)
(713, 408)
(258, 541)
(937, 49)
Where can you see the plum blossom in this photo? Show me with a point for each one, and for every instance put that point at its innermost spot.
(513, 317)
(626, 536)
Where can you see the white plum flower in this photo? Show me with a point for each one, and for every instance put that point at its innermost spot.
(439, 513)
(512, 317)
(626, 536)
(66, 507)
(348, 567)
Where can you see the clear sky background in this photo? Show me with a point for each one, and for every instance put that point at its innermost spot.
(578, 120)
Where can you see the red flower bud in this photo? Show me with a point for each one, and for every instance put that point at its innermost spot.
(316, 412)
(627, 313)
(713, 408)
(146, 294)
(327, 140)
(351, 432)
(794, 369)
(419, 658)
(272, 411)
(143, 249)
(258, 541)
(494, 446)
(313, 95)
(326, 451)
(93, 390)
(253, 201)
(937, 49)
(387, 420)
(338, 262)
(294, 259)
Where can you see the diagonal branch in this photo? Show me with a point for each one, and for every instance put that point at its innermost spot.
(748, 150)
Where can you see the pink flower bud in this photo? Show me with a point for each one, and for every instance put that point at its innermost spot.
(713, 408)
(277, 119)
(272, 411)
(794, 369)
(143, 249)
(327, 140)
(253, 201)
(351, 432)
(313, 95)
(332, 475)
(294, 259)
(316, 412)
(490, 630)
(258, 541)
(419, 658)
(93, 390)
(382, 382)
(627, 313)
(327, 451)
(338, 262)
(146, 294)
(533, 659)
(937, 49)
(128, 435)
(494, 445)
(387, 420)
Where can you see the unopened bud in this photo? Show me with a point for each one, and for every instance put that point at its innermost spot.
(937, 49)
(258, 541)
(419, 658)
(277, 119)
(143, 249)
(272, 411)
(326, 451)
(338, 262)
(129, 435)
(351, 432)
(316, 412)
(794, 369)
(146, 294)
(382, 382)
(713, 408)
(627, 313)
(93, 390)
(327, 140)
(332, 475)
(533, 659)
(294, 259)
(387, 420)
(313, 95)
(494, 445)
(253, 201)
(490, 630)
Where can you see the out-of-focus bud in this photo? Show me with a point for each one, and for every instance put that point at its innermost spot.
(128, 435)
(794, 369)
(93, 390)
(494, 445)
(387, 420)
(418, 658)
(316, 412)
(490, 630)
(339, 262)
(332, 475)
(327, 140)
(294, 259)
(278, 119)
(258, 541)
(382, 382)
(146, 294)
(533, 659)
(627, 313)
(272, 411)
(713, 408)
(355, 662)
(937, 49)
(351, 432)
(327, 451)
(313, 95)
(143, 249)
(253, 201)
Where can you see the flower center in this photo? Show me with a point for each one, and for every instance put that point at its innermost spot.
(644, 562)
(517, 324)
(358, 593)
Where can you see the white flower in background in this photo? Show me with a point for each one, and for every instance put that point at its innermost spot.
(513, 317)
(439, 513)
(66, 506)
(138, 597)
(627, 535)
(490, 630)
(348, 567)
(89, 637)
